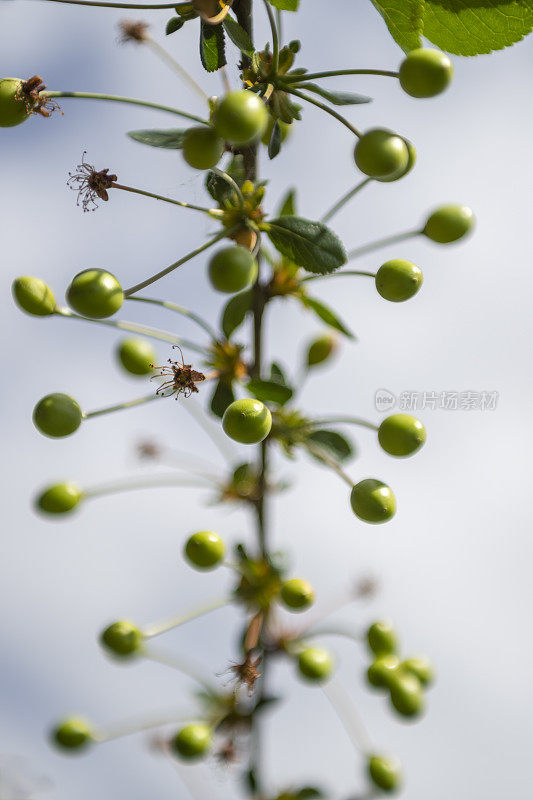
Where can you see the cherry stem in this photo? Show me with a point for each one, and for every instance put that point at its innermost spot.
(345, 199)
(311, 76)
(179, 663)
(223, 234)
(347, 421)
(322, 106)
(213, 212)
(165, 56)
(340, 274)
(176, 621)
(146, 482)
(234, 185)
(275, 38)
(329, 462)
(136, 725)
(119, 99)
(130, 404)
(133, 327)
(344, 708)
(173, 307)
(326, 630)
(114, 5)
(368, 248)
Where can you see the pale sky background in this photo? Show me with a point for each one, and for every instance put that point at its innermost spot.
(454, 564)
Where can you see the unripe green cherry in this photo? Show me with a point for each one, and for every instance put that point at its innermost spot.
(381, 638)
(122, 638)
(411, 161)
(373, 501)
(297, 594)
(136, 355)
(421, 667)
(95, 293)
(15, 106)
(73, 733)
(232, 269)
(381, 154)
(57, 415)
(449, 224)
(34, 296)
(401, 435)
(59, 499)
(241, 117)
(247, 421)
(193, 741)
(381, 670)
(322, 348)
(385, 772)
(425, 72)
(406, 694)
(315, 664)
(202, 147)
(284, 127)
(398, 280)
(205, 549)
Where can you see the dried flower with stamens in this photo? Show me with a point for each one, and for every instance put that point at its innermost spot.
(90, 184)
(30, 91)
(247, 673)
(132, 31)
(179, 378)
(149, 450)
(227, 753)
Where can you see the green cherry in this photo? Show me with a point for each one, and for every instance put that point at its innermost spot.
(381, 638)
(425, 72)
(401, 435)
(15, 105)
(73, 733)
(34, 296)
(122, 638)
(421, 667)
(449, 224)
(398, 280)
(95, 293)
(247, 421)
(381, 154)
(381, 670)
(406, 694)
(57, 415)
(205, 549)
(320, 350)
(59, 499)
(411, 161)
(232, 269)
(241, 117)
(202, 147)
(373, 501)
(193, 741)
(315, 664)
(297, 594)
(385, 772)
(136, 356)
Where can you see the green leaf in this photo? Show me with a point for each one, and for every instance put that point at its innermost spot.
(404, 19)
(285, 5)
(326, 315)
(309, 793)
(337, 98)
(222, 397)
(235, 312)
(331, 443)
(277, 374)
(171, 139)
(238, 36)
(288, 204)
(471, 27)
(212, 46)
(174, 24)
(274, 145)
(270, 391)
(311, 245)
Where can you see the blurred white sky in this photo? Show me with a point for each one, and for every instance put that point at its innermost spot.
(454, 564)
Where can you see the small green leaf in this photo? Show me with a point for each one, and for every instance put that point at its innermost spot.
(235, 312)
(274, 145)
(171, 139)
(404, 19)
(277, 374)
(331, 443)
(309, 793)
(337, 98)
(288, 204)
(326, 315)
(308, 244)
(270, 391)
(174, 24)
(222, 397)
(212, 46)
(238, 36)
(285, 5)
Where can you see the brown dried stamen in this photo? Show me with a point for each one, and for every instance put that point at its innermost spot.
(90, 184)
(133, 31)
(247, 673)
(34, 102)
